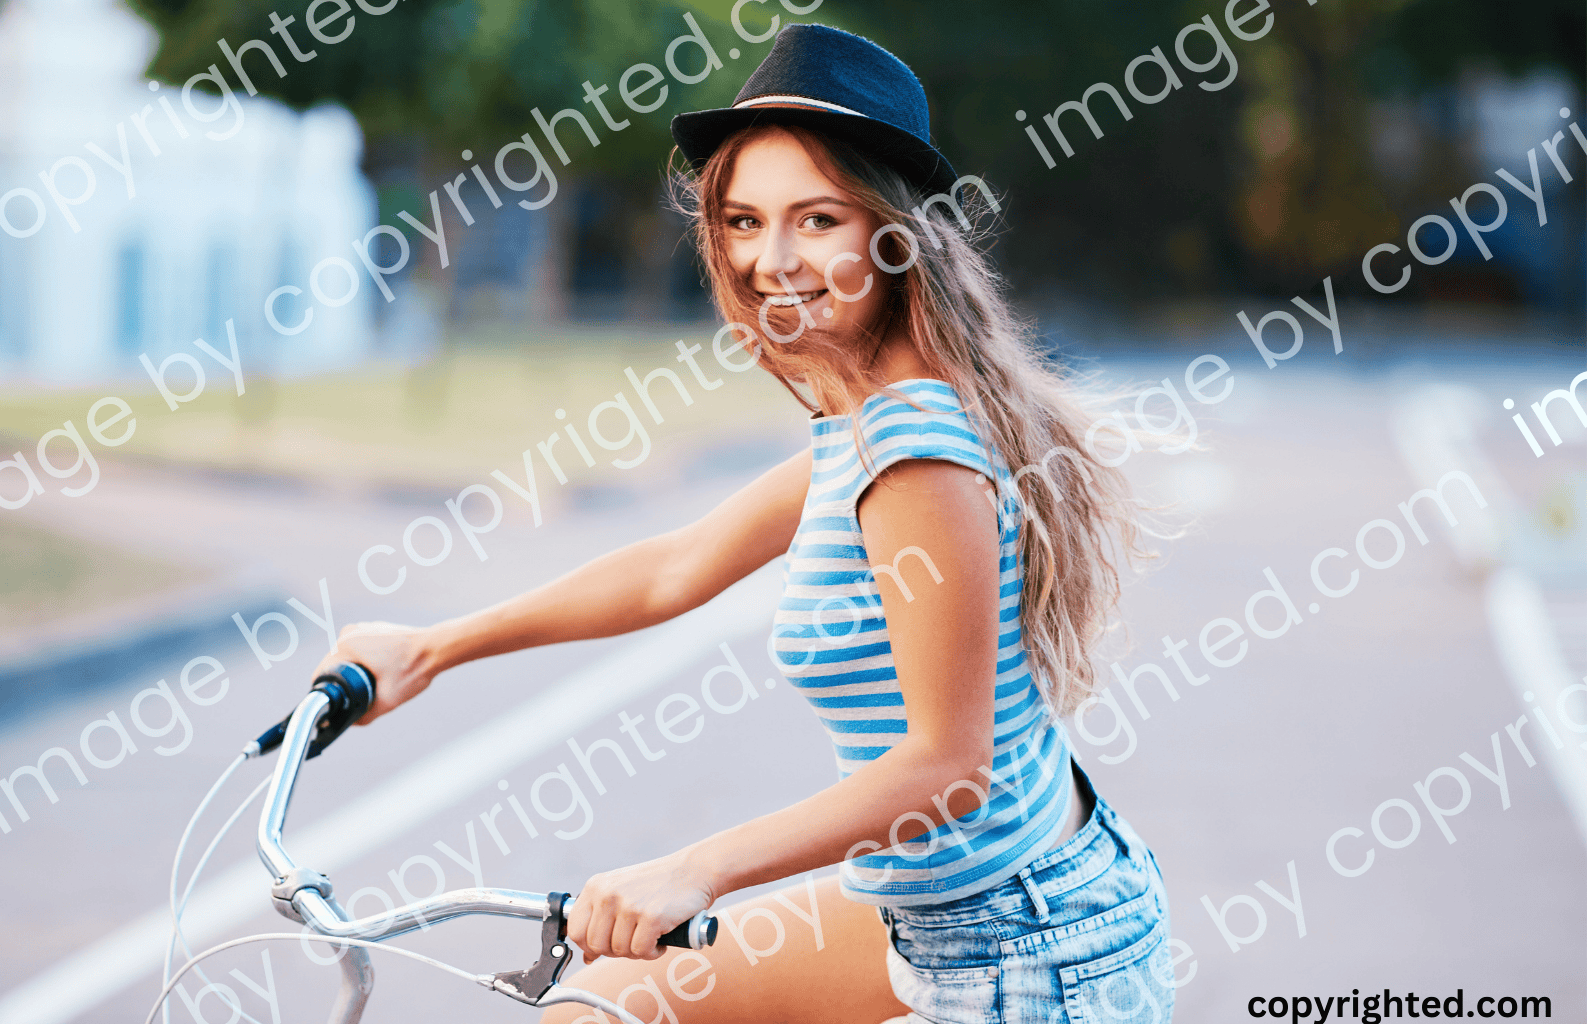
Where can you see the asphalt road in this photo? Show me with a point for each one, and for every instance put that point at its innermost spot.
(1246, 773)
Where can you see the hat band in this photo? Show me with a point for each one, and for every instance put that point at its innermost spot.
(799, 100)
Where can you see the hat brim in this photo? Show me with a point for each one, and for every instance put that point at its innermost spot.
(700, 132)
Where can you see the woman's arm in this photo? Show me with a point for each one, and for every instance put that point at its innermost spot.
(944, 644)
(636, 586)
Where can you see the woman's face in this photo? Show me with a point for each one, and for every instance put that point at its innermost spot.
(784, 217)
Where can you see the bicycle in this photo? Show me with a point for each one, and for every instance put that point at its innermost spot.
(335, 701)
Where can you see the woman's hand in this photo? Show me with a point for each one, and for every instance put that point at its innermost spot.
(399, 657)
(623, 912)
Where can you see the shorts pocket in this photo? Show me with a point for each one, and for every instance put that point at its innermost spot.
(1108, 969)
(1127, 987)
(945, 995)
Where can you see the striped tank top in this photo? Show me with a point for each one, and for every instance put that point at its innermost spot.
(830, 640)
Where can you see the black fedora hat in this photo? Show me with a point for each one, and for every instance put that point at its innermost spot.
(834, 82)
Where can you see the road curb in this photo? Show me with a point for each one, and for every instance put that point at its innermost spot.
(84, 653)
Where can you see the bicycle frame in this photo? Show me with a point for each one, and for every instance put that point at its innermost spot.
(304, 895)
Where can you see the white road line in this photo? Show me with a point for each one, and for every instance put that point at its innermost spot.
(1433, 428)
(1523, 632)
(476, 759)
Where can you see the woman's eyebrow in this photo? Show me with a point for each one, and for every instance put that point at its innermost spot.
(801, 204)
(817, 201)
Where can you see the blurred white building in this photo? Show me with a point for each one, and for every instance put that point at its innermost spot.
(214, 225)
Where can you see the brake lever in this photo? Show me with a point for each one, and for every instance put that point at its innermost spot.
(538, 985)
(531, 986)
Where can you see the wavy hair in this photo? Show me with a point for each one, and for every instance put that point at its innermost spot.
(1079, 522)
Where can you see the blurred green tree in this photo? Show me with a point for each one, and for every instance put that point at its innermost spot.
(1266, 183)
(451, 73)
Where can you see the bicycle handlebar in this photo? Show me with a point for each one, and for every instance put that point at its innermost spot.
(350, 690)
(336, 700)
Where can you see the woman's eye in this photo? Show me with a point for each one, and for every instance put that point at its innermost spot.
(820, 221)
(745, 223)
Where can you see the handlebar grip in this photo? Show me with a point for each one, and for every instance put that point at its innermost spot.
(696, 933)
(351, 688)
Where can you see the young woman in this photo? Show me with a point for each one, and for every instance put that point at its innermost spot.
(939, 607)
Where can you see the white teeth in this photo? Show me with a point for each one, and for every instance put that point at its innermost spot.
(789, 300)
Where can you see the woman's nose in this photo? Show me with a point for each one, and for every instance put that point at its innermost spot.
(779, 255)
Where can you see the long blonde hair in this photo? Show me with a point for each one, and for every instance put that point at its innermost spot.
(1082, 521)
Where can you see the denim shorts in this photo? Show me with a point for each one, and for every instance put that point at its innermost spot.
(1078, 937)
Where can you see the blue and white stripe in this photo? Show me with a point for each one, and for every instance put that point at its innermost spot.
(830, 637)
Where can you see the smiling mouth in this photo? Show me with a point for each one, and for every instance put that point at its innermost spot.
(789, 300)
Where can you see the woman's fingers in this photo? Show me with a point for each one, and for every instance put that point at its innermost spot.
(602, 909)
(648, 950)
(629, 932)
(603, 923)
(623, 913)
(642, 940)
(622, 928)
(579, 928)
(628, 936)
